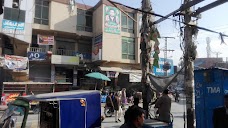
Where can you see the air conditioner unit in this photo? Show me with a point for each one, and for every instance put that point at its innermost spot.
(15, 4)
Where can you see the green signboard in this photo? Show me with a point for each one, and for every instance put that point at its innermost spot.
(111, 20)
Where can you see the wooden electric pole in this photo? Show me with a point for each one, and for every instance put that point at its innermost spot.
(189, 68)
(146, 47)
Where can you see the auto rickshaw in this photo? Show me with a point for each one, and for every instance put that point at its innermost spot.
(70, 109)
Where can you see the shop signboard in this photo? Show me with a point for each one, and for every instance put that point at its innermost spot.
(37, 56)
(68, 60)
(111, 20)
(45, 40)
(11, 27)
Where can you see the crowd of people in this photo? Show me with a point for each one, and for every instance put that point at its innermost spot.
(117, 102)
(134, 116)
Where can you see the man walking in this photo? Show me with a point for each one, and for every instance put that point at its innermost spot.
(164, 106)
(116, 103)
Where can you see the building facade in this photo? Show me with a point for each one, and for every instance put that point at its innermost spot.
(64, 40)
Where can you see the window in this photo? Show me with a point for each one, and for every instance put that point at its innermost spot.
(14, 14)
(128, 48)
(84, 20)
(127, 24)
(41, 12)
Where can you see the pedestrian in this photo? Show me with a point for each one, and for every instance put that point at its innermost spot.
(177, 96)
(220, 115)
(123, 96)
(135, 119)
(117, 107)
(164, 106)
(109, 102)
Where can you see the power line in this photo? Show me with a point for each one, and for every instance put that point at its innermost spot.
(15, 29)
(158, 15)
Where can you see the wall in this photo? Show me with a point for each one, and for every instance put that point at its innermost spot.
(98, 21)
(112, 47)
(62, 18)
(26, 5)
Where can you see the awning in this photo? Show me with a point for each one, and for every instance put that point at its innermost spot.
(114, 69)
(119, 69)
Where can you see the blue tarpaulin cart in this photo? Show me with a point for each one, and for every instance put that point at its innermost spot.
(71, 109)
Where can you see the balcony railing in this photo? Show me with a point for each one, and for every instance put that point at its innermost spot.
(63, 52)
(34, 49)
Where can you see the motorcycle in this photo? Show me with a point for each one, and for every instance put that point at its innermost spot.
(108, 111)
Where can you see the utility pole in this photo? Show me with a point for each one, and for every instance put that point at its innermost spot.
(217, 54)
(189, 68)
(146, 47)
(165, 52)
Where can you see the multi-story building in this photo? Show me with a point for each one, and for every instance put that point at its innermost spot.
(65, 40)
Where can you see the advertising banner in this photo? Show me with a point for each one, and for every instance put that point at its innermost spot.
(16, 62)
(36, 56)
(9, 26)
(97, 48)
(161, 71)
(6, 98)
(111, 20)
(45, 40)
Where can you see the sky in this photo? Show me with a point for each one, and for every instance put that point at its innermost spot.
(215, 19)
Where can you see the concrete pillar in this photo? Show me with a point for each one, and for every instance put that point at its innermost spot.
(52, 73)
(75, 76)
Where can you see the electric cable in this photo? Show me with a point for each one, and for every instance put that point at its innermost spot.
(158, 15)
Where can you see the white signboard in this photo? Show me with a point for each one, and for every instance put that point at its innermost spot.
(68, 60)
(135, 77)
